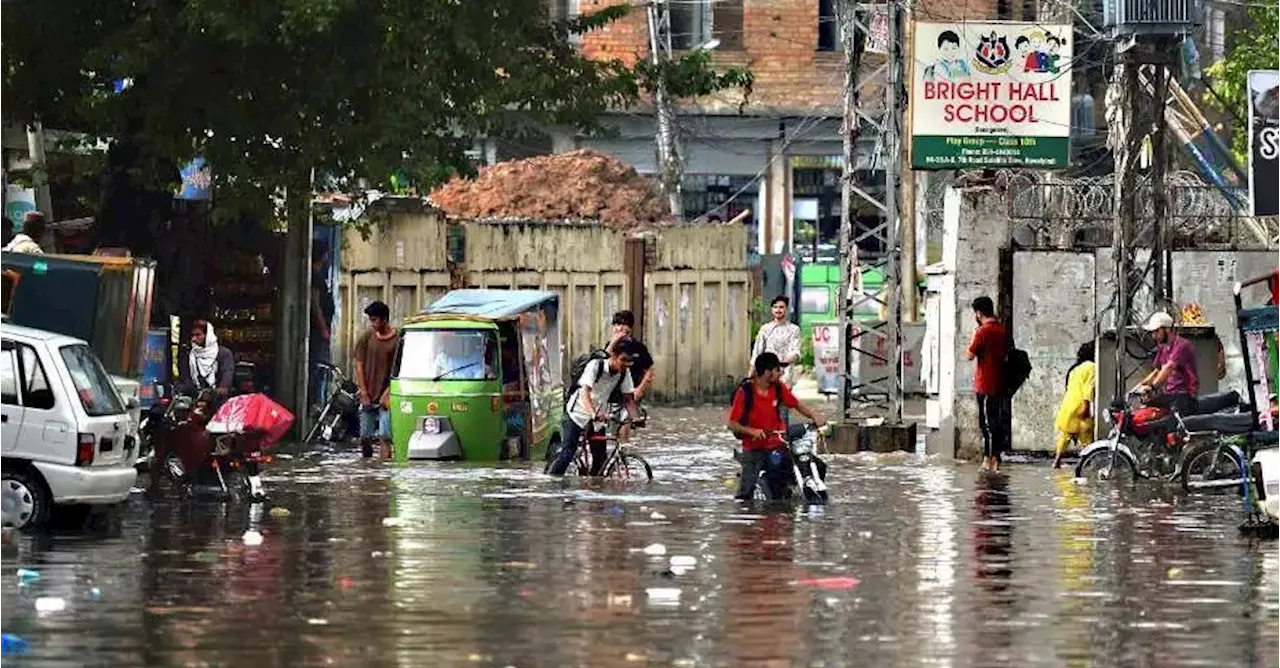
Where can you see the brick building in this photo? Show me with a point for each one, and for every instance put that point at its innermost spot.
(779, 153)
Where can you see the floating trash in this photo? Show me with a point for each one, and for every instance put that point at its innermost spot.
(318, 621)
(252, 538)
(11, 645)
(95, 593)
(657, 516)
(835, 583)
(683, 561)
(50, 604)
(27, 576)
(205, 557)
(655, 550)
(663, 594)
(392, 521)
(279, 512)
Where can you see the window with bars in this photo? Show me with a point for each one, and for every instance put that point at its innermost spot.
(696, 22)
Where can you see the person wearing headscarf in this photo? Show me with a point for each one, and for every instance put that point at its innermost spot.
(208, 365)
(1074, 422)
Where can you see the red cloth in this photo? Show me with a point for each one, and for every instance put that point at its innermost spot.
(764, 414)
(989, 346)
(253, 413)
(1274, 284)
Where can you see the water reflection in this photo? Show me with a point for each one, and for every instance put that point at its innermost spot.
(912, 564)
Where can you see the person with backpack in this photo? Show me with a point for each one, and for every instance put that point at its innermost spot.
(756, 418)
(590, 399)
(989, 348)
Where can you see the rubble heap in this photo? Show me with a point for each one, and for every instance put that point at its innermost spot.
(584, 185)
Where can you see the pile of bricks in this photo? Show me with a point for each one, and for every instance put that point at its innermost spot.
(581, 186)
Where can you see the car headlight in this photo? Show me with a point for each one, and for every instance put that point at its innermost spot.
(431, 426)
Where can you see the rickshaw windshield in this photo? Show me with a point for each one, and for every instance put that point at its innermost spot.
(439, 354)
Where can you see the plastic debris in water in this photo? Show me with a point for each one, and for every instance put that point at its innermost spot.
(279, 512)
(1174, 572)
(11, 645)
(392, 521)
(95, 593)
(205, 557)
(252, 538)
(683, 561)
(318, 621)
(663, 594)
(614, 510)
(50, 604)
(655, 550)
(27, 576)
(657, 516)
(830, 583)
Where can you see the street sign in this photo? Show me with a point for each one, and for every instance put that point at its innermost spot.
(991, 94)
(1263, 140)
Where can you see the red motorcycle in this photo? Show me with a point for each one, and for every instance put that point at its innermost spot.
(199, 449)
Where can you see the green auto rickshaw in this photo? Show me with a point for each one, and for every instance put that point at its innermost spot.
(478, 376)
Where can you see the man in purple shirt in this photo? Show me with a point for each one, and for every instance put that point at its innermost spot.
(1174, 372)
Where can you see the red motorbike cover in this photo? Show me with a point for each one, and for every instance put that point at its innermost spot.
(1144, 416)
(250, 413)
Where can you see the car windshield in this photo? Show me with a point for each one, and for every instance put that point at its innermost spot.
(93, 385)
(440, 354)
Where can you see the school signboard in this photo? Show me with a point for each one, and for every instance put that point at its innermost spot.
(991, 94)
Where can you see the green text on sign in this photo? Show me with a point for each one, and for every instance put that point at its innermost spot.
(931, 152)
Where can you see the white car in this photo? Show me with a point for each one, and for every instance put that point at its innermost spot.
(66, 431)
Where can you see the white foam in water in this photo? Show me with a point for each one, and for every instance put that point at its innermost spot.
(50, 604)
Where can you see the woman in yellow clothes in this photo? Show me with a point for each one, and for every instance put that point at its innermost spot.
(1075, 416)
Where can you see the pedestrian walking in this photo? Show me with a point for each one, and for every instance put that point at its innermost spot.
(779, 336)
(1075, 415)
(990, 345)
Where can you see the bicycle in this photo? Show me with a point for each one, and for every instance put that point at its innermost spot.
(620, 462)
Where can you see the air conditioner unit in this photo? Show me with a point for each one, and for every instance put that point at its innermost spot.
(1156, 18)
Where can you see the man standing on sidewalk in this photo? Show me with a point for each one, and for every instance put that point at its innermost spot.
(989, 347)
(781, 337)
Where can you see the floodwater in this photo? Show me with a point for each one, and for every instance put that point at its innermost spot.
(913, 563)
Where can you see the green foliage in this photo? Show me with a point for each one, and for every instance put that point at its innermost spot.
(691, 75)
(268, 91)
(1253, 47)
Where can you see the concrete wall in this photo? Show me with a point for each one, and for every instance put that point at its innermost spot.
(1057, 297)
(697, 288)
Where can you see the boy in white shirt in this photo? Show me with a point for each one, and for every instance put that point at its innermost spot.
(590, 401)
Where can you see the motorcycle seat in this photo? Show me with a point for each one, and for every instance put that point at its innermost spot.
(1217, 401)
(1223, 423)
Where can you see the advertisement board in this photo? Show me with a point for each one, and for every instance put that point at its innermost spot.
(826, 356)
(991, 94)
(1263, 122)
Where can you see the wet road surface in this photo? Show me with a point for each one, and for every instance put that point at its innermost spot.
(913, 563)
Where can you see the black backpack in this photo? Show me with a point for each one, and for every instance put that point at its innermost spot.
(1017, 368)
(578, 367)
(749, 399)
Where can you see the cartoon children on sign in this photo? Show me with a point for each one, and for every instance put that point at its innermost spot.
(1039, 52)
(949, 65)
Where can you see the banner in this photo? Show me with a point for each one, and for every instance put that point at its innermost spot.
(826, 356)
(18, 201)
(1264, 111)
(991, 94)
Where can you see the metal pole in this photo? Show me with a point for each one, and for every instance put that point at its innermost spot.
(39, 170)
(668, 158)
(1161, 243)
(849, 130)
(892, 171)
(1124, 125)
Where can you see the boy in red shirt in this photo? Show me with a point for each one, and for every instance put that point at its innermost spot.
(989, 346)
(761, 427)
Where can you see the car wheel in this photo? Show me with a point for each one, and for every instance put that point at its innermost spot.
(24, 498)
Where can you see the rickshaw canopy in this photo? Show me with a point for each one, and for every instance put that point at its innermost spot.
(483, 304)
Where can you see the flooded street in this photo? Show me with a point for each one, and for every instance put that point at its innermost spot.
(913, 563)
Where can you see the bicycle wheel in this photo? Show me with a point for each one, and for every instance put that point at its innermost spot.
(626, 466)
(1103, 466)
(1208, 468)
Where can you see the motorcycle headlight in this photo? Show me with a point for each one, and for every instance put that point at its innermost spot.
(802, 448)
(430, 426)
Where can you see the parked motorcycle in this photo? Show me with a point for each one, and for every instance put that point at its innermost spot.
(1146, 441)
(796, 472)
(222, 452)
(331, 424)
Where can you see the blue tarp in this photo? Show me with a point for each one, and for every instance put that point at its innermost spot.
(490, 303)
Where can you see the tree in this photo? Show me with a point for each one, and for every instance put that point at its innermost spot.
(1254, 47)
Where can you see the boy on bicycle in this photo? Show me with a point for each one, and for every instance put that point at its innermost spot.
(590, 401)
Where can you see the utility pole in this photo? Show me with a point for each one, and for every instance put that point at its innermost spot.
(669, 165)
(879, 397)
(1125, 148)
(846, 15)
(39, 170)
